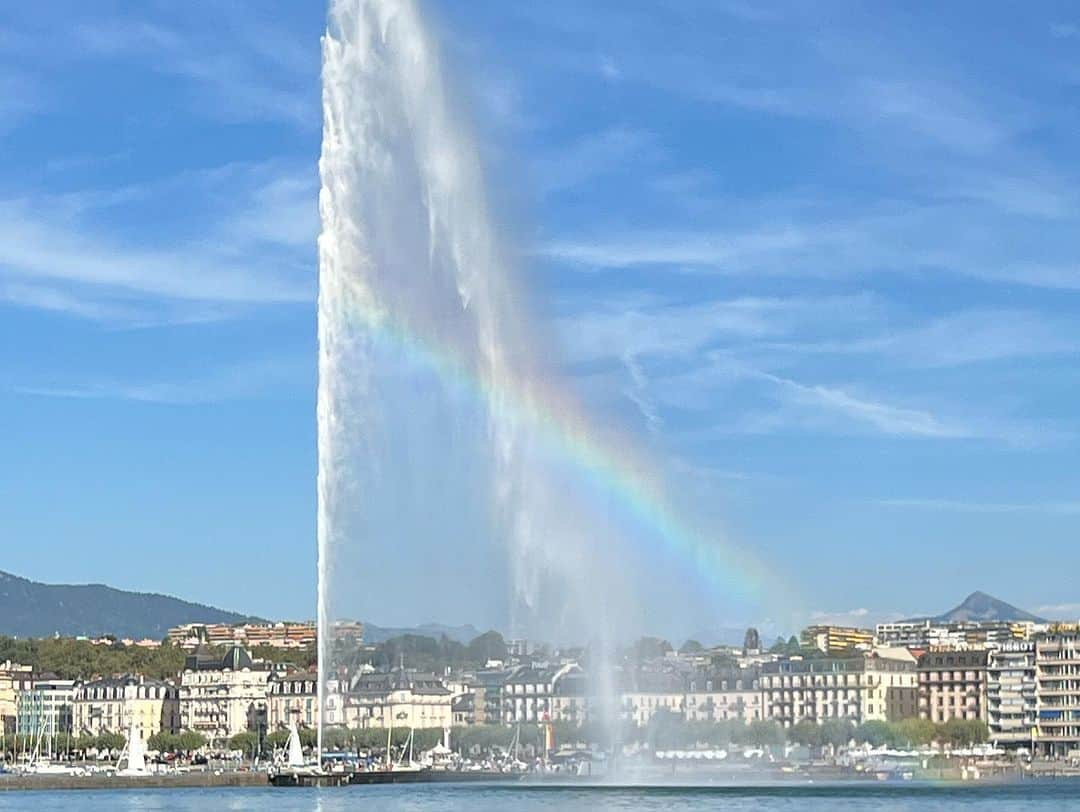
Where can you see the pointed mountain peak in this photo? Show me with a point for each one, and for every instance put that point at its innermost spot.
(981, 606)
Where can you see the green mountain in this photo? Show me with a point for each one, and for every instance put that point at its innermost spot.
(31, 609)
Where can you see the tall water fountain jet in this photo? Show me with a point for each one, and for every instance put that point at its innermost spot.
(425, 378)
(449, 465)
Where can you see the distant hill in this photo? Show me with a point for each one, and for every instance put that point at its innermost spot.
(980, 606)
(380, 634)
(31, 609)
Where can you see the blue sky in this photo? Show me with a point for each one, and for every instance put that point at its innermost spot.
(820, 261)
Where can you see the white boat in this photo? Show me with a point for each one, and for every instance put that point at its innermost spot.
(134, 754)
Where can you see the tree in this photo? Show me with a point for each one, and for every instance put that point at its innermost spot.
(488, 646)
(761, 733)
(691, 647)
(189, 741)
(650, 648)
(806, 732)
(163, 742)
(751, 641)
(278, 739)
(109, 742)
(246, 742)
(877, 734)
(962, 732)
(836, 732)
(915, 732)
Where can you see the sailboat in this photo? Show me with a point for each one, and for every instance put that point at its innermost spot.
(135, 753)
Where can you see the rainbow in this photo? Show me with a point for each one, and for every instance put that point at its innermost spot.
(618, 475)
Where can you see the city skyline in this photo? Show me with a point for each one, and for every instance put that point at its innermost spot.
(824, 277)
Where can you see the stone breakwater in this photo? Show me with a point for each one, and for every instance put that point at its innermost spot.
(201, 779)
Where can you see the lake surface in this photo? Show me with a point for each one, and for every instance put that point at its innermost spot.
(1042, 795)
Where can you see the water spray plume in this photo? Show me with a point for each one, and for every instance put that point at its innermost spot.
(435, 417)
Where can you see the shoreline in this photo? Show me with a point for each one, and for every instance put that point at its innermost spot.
(190, 780)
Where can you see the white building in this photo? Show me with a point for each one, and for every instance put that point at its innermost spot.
(222, 697)
(1010, 694)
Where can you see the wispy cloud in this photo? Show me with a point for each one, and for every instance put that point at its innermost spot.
(860, 617)
(959, 506)
(964, 337)
(911, 239)
(591, 156)
(255, 72)
(1058, 611)
(835, 403)
(62, 255)
(240, 381)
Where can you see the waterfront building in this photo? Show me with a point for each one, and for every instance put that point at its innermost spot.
(463, 709)
(292, 697)
(1057, 693)
(836, 640)
(644, 693)
(952, 685)
(570, 695)
(220, 697)
(725, 694)
(1011, 704)
(881, 685)
(110, 705)
(44, 707)
(398, 698)
(528, 693)
(490, 705)
(14, 678)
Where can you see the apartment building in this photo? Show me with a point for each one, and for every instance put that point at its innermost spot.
(1057, 677)
(45, 707)
(398, 698)
(110, 705)
(279, 635)
(837, 640)
(961, 635)
(952, 685)
(644, 693)
(14, 679)
(292, 697)
(220, 697)
(725, 695)
(1011, 705)
(873, 686)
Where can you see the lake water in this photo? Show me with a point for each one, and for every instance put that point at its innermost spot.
(1046, 795)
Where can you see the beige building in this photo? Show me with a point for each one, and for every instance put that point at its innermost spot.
(398, 698)
(952, 685)
(293, 697)
(876, 686)
(110, 705)
(647, 692)
(14, 678)
(725, 695)
(222, 697)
